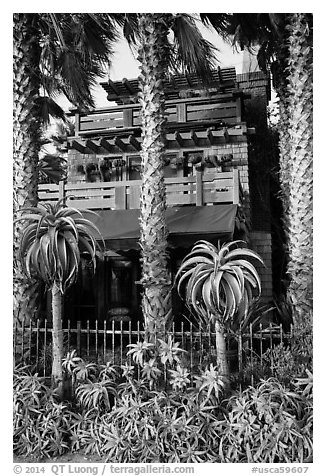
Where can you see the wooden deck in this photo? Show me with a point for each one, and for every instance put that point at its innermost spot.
(202, 189)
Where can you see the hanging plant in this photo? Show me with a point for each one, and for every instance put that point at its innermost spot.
(118, 163)
(176, 162)
(195, 159)
(226, 161)
(210, 161)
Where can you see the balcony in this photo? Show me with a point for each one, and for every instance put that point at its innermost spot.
(191, 122)
(207, 188)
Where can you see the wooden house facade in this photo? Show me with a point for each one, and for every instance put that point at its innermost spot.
(207, 175)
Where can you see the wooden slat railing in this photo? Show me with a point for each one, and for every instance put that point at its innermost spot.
(226, 108)
(201, 189)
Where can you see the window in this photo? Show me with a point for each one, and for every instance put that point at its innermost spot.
(134, 167)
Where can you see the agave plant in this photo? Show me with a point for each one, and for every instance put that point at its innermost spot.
(219, 285)
(52, 242)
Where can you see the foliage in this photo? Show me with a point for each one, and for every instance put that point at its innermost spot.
(41, 424)
(52, 169)
(269, 423)
(219, 281)
(163, 428)
(52, 241)
(123, 419)
(290, 358)
(154, 359)
(211, 385)
(179, 378)
(256, 316)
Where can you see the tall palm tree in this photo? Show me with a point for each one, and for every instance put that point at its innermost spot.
(285, 45)
(53, 53)
(53, 238)
(158, 54)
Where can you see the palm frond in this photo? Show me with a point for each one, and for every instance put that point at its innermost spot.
(47, 107)
(219, 21)
(192, 53)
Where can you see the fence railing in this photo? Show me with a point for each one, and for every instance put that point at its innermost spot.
(108, 340)
(201, 189)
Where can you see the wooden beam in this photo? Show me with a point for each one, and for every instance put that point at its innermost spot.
(127, 117)
(106, 145)
(210, 136)
(77, 123)
(199, 187)
(188, 80)
(178, 138)
(134, 142)
(194, 138)
(119, 143)
(92, 146)
(61, 189)
(113, 87)
(78, 145)
(239, 109)
(120, 198)
(236, 187)
(128, 86)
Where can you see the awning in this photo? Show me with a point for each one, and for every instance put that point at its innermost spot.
(120, 228)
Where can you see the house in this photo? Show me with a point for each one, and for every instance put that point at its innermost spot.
(214, 191)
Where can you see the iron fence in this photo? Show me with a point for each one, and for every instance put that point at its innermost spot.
(105, 341)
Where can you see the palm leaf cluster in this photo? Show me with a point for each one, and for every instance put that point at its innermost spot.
(52, 169)
(52, 242)
(219, 282)
(75, 50)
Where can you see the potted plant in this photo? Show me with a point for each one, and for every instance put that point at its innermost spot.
(195, 159)
(176, 162)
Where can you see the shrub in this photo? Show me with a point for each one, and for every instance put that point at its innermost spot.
(174, 427)
(41, 424)
(134, 420)
(268, 423)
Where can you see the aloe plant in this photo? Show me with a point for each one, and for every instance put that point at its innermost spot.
(52, 241)
(219, 283)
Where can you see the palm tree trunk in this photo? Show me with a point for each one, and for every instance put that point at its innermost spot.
(57, 340)
(26, 146)
(156, 280)
(296, 163)
(221, 359)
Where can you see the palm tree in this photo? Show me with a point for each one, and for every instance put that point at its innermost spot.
(53, 238)
(158, 55)
(285, 46)
(219, 286)
(53, 53)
